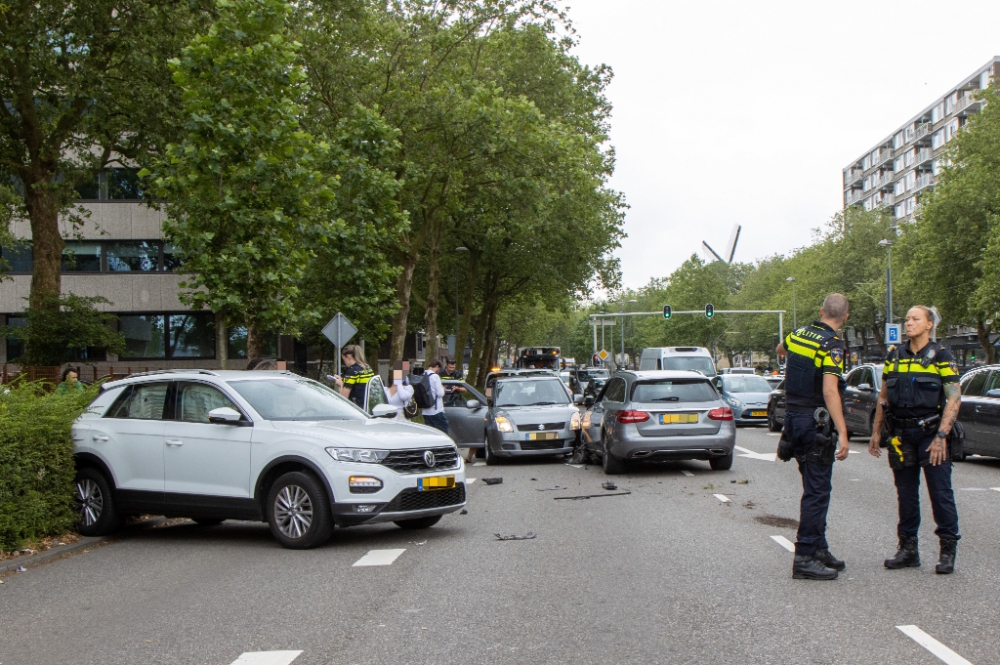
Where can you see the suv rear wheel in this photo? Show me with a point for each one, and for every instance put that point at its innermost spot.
(722, 463)
(491, 459)
(94, 503)
(298, 511)
(611, 464)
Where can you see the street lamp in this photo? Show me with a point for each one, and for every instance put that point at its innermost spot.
(623, 327)
(888, 279)
(795, 316)
(459, 352)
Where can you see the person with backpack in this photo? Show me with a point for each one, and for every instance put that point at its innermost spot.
(430, 392)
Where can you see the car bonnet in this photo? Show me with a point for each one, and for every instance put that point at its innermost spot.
(379, 433)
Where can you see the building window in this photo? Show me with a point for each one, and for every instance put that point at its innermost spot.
(170, 259)
(81, 257)
(866, 162)
(192, 335)
(133, 256)
(15, 347)
(145, 335)
(186, 335)
(937, 140)
(897, 141)
(237, 346)
(116, 184)
(18, 257)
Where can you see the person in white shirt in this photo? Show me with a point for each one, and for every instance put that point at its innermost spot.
(435, 417)
(400, 392)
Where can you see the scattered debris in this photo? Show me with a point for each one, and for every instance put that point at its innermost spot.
(422, 542)
(27, 551)
(552, 489)
(743, 482)
(609, 485)
(781, 522)
(709, 486)
(534, 478)
(464, 512)
(1, 582)
(749, 505)
(22, 569)
(588, 496)
(527, 536)
(492, 481)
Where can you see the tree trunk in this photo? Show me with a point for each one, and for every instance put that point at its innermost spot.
(255, 341)
(221, 340)
(433, 295)
(477, 347)
(465, 321)
(47, 244)
(404, 285)
(984, 341)
(489, 343)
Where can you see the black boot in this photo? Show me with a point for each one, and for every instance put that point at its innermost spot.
(808, 567)
(824, 557)
(946, 562)
(908, 556)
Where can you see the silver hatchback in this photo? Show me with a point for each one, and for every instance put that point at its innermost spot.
(659, 415)
(530, 416)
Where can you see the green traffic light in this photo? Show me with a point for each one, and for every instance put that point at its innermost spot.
(709, 310)
(666, 311)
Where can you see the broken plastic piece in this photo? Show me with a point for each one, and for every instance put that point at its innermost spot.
(464, 512)
(609, 485)
(423, 542)
(551, 489)
(527, 536)
(588, 496)
(492, 481)
(22, 569)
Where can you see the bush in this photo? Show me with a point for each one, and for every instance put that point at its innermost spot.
(36, 461)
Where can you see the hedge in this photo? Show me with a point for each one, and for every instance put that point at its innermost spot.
(36, 461)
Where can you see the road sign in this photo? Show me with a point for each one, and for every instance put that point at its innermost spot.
(709, 310)
(339, 331)
(893, 333)
(603, 354)
(667, 311)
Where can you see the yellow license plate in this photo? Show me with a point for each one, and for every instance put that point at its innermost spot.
(435, 483)
(541, 436)
(762, 414)
(677, 418)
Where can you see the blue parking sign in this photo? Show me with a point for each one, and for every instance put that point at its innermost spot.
(893, 332)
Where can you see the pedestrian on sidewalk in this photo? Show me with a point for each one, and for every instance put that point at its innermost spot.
(435, 416)
(917, 408)
(813, 380)
(70, 382)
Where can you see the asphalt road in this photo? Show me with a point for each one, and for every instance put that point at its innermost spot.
(667, 574)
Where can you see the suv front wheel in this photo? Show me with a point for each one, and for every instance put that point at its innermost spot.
(298, 511)
(95, 504)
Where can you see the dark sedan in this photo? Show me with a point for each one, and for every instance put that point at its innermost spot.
(860, 398)
(776, 408)
(980, 411)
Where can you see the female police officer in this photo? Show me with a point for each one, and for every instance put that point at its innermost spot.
(917, 408)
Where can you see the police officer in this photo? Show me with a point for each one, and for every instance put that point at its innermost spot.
(815, 363)
(357, 374)
(920, 391)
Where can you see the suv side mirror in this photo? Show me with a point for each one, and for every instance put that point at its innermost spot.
(224, 415)
(993, 393)
(473, 404)
(577, 398)
(865, 387)
(384, 411)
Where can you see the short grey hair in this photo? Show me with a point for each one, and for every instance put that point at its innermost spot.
(835, 306)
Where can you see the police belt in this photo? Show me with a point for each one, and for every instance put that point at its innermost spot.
(914, 423)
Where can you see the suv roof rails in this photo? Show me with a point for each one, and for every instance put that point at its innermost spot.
(174, 371)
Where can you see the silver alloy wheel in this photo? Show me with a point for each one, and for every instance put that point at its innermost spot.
(89, 501)
(293, 511)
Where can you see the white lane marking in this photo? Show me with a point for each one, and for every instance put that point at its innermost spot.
(974, 489)
(479, 464)
(932, 645)
(379, 558)
(267, 657)
(767, 457)
(469, 481)
(721, 497)
(575, 466)
(687, 473)
(995, 489)
(773, 433)
(784, 542)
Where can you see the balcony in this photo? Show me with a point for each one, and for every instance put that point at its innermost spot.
(923, 182)
(967, 105)
(923, 156)
(922, 130)
(855, 197)
(851, 178)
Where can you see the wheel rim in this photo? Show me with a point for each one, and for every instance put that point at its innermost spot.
(89, 501)
(293, 511)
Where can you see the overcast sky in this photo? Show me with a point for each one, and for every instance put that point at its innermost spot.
(731, 112)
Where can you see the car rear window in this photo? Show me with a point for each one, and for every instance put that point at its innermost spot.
(701, 364)
(674, 390)
(745, 384)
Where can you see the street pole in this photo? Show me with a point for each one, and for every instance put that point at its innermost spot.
(795, 312)
(888, 281)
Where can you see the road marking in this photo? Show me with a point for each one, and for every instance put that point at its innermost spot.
(975, 489)
(479, 464)
(575, 466)
(267, 658)
(995, 489)
(784, 542)
(687, 473)
(767, 457)
(932, 645)
(379, 558)
(721, 497)
(469, 481)
(773, 433)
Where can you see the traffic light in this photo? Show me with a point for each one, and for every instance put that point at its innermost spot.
(709, 310)
(666, 311)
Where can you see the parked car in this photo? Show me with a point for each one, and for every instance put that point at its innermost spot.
(695, 358)
(773, 380)
(466, 410)
(860, 398)
(776, 408)
(584, 375)
(530, 416)
(737, 370)
(980, 411)
(269, 446)
(747, 395)
(656, 416)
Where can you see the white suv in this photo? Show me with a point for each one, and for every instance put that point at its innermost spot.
(268, 446)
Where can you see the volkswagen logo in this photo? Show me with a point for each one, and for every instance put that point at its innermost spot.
(541, 427)
(429, 458)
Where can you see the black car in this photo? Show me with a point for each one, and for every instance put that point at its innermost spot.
(980, 411)
(776, 408)
(860, 399)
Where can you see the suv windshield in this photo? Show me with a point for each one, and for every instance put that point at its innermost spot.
(745, 384)
(701, 364)
(530, 393)
(672, 390)
(295, 399)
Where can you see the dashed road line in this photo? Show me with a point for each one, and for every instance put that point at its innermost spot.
(687, 473)
(469, 481)
(784, 542)
(767, 457)
(575, 466)
(479, 464)
(932, 645)
(721, 497)
(995, 489)
(267, 658)
(379, 558)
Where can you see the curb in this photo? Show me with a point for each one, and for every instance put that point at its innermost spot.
(85, 542)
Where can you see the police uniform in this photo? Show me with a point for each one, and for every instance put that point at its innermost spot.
(915, 391)
(356, 378)
(813, 352)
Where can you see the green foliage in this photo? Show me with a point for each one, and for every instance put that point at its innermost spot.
(64, 329)
(10, 207)
(36, 461)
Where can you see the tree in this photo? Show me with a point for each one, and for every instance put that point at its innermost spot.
(249, 191)
(65, 328)
(84, 85)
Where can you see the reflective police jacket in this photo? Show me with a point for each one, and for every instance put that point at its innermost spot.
(915, 381)
(813, 351)
(356, 378)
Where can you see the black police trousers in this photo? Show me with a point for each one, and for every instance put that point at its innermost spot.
(817, 482)
(938, 486)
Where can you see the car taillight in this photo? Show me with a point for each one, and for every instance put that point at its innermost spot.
(725, 413)
(635, 416)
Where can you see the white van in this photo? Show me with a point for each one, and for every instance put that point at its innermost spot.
(695, 358)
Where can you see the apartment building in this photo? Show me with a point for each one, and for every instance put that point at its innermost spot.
(894, 172)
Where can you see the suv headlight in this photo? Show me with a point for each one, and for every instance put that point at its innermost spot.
(363, 455)
(504, 424)
(586, 421)
(574, 421)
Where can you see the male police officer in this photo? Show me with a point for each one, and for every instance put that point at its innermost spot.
(813, 380)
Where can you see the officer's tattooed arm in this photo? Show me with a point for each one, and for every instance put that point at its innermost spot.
(953, 395)
(879, 423)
